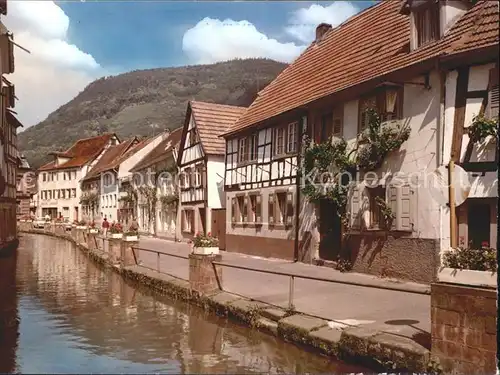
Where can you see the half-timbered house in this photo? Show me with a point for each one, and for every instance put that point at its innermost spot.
(201, 163)
(405, 60)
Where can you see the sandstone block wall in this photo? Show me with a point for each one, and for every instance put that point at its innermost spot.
(464, 328)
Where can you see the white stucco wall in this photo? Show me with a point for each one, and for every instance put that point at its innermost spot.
(215, 181)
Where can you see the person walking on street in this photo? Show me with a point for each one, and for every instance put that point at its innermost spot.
(105, 227)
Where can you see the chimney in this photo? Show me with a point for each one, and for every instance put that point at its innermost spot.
(321, 30)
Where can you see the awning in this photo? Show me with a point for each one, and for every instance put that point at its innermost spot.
(12, 120)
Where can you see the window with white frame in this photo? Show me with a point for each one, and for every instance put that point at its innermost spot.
(247, 148)
(291, 146)
(285, 139)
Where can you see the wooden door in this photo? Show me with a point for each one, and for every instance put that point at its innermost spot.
(330, 231)
(219, 226)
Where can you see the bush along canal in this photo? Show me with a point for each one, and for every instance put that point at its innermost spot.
(372, 350)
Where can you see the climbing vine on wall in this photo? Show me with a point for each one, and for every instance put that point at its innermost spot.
(150, 195)
(328, 166)
(481, 128)
(324, 165)
(378, 140)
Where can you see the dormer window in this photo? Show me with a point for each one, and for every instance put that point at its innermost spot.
(426, 23)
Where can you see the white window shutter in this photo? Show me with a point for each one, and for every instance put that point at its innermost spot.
(392, 201)
(355, 209)
(289, 208)
(270, 208)
(233, 209)
(404, 220)
(258, 209)
(493, 94)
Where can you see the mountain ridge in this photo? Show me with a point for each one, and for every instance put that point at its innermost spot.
(145, 102)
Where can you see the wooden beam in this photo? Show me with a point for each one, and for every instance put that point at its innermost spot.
(459, 120)
(453, 217)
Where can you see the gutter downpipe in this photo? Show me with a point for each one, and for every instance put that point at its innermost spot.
(297, 186)
(440, 137)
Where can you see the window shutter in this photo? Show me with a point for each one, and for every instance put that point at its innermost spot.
(289, 208)
(244, 214)
(270, 209)
(258, 209)
(192, 221)
(404, 212)
(355, 208)
(392, 201)
(233, 209)
(493, 94)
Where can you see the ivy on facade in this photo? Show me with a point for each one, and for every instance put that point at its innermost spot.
(150, 196)
(378, 140)
(328, 166)
(169, 200)
(481, 128)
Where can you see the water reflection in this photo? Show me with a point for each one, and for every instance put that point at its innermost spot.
(76, 317)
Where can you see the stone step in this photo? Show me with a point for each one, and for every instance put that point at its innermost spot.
(273, 314)
(267, 325)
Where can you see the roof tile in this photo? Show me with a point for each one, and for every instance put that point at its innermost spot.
(212, 120)
(83, 151)
(370, 44)
(110, 159)
(163, 149)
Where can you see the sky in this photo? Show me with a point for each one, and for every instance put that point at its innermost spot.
(73, 43)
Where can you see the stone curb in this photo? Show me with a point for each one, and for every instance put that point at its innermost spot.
(361, 345)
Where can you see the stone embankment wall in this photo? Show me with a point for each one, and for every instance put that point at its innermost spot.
(464, 328)
(372, 348)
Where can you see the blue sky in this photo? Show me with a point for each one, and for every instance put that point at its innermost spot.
(72, 43)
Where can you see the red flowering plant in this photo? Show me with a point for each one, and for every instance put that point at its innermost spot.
(92, 225)
(133, 230)
(201, 240)
(116, 228)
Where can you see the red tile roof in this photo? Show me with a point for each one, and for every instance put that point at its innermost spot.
(370, 44)
(80, 153)
(159, 152)
(212, 120)
(110, 159)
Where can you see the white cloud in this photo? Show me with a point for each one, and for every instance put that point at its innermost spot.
(303, 22)
(55, 71)
(212, 40)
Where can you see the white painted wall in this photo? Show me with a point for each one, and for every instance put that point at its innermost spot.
(191, 153)
(130, 162)
(215, 181)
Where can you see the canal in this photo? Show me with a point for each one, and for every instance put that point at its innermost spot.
(60, 313)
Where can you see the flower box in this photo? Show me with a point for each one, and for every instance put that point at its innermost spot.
(468, 277)
(22, 221)
(206, 250)
(81, 227)
(116, 235)
(94, 231)
(131, 238)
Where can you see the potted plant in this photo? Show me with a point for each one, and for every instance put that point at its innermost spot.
(81, 224)
(470, 266)
(205, 244)
(74, 224)
(132, 234)
(116, 230)
(92, 228)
